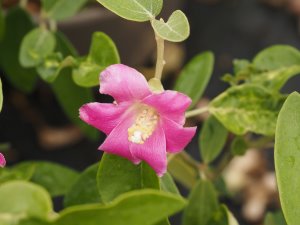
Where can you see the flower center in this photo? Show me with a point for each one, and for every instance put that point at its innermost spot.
(143, 126)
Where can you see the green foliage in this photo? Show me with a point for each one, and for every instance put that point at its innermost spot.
(176, 29)
(20, 199)
(36, 46)
(202, 206)
(136, 10)
(137, 207)
(9, 174)
(84, 190)
(103, 53)
(238, 146)
(212, 139)
(56, 179)
(1, 95)
(275, 218)
(123, 177)
(182, 170)
(70, 96)
(167, 184)
(195, 76)
(23, 79)
(2, 24)
(247, 108)
(62, 9)
(287, 153)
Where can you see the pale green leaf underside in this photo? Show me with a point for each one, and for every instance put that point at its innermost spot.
(247, 108)
(177, 28)
(287, 155)
(136, 10)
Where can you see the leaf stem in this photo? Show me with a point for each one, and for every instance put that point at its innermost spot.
(160, 62)
(196, 112)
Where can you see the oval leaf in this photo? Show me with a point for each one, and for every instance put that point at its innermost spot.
(195, 76)
(145, 207)
(123, 177)
(35, 46)
(57, 179)
(79, 193)
(212, 139)
(62, 9)
(103, 53)
(20, 197)
(177, 28)
(276, 57)
(247, 108)
(203, 204)
(20, 77)
(136, 10)
(287, 154)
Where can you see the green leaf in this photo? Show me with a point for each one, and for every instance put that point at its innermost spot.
(222, 217)
(123, 177)
(24, 199)
(212, 139)
(136, 10)
(203, 204)
(9, 174)
(275, 79)
(36, 46)
(287, 153)
(183, 171)
(23, 79)
(168, 184)
(145, 207)
(103, 53)
(62, 9)
(275, 218)
(195, 76)
(51, 67)
(176, 29)
(247, 108)
(276, 57)
(2, 24)
(84, 190)
(70, 96)
(1, 95)
(56, 178)
(238, 146)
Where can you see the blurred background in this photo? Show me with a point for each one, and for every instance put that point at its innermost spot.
(34, 127)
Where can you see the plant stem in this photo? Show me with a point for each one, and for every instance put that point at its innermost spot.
(53, 25)
(196, 112)
(160, 62)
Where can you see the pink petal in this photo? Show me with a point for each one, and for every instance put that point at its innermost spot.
(177, 137)
(170, 104)
(117, 141)
(123, 83)
(2, 160)
(153, 151)
(103, 116)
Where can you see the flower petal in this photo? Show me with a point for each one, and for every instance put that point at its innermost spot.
(153, 151)
(2, 160)
(123, 83)
(117, 141)
(177, 137)
(170, 104)
(103, 116)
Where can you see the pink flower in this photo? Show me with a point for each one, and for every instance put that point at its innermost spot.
(140, 125)
(2, 160)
